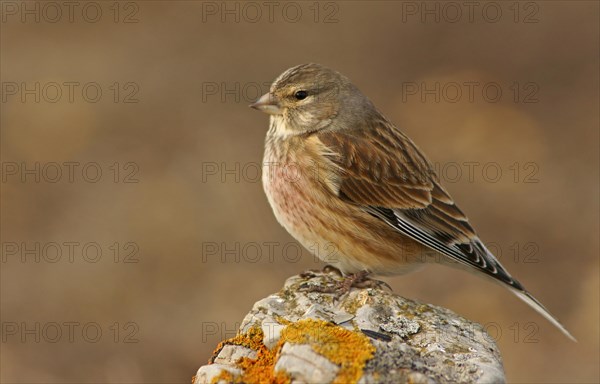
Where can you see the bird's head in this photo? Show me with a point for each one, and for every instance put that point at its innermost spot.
(309, 98)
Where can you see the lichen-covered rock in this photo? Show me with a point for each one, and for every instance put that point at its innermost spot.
(365, 336)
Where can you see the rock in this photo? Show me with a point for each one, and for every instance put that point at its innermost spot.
(368, 335)
(300, 360)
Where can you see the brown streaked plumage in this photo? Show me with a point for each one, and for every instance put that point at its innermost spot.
(340, 176)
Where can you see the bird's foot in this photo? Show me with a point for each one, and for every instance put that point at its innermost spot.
(372, 283)
(326, 269)
(354, 280)
(361, 280)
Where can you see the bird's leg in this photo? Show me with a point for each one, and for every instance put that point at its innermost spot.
(354, 280)
(340, 287)
(326, 269)
(365, 282)
(361, 280)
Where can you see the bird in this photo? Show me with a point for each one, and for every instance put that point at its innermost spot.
(340, 175)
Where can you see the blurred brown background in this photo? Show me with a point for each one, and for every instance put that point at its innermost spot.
(167, 249)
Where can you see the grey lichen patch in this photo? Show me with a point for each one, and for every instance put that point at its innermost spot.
(400, 326)
(411, 342)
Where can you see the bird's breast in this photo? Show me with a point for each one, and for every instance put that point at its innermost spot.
(302, 186)
(291, 182)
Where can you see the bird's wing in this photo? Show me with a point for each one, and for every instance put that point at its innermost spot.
(384, 172)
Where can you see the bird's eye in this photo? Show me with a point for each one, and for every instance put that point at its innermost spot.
(300, 95)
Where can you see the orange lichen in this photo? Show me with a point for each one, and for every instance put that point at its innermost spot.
(282, 320)
(259, 370)
(349, 350)
(224, 375)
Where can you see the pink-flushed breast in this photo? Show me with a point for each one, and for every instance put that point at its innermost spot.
(302, 186)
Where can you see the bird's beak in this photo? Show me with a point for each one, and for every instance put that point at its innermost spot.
(267, 103)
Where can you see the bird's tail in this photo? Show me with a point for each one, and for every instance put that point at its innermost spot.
(533, 303)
